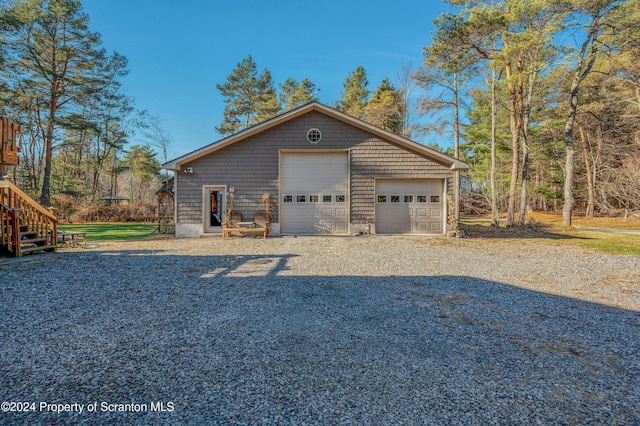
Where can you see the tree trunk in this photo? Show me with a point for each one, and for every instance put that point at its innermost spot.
(492, 177)
(515, 165)
(597, 162)
(567, 209)
(522, 219)
(456, 148)
(514, 126)
(33, 167)
(525, 111)
(63, 172)
(515, 159)
(48, 139)
(48, 156)
(583, 67)
(94, 183)
(587, 164)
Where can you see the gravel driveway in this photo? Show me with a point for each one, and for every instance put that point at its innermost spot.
(358, 330)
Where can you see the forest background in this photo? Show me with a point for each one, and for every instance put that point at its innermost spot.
(541, 98)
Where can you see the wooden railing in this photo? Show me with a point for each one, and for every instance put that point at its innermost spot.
(19, 212)
(9, 221)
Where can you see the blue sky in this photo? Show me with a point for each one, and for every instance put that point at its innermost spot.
(179, 50)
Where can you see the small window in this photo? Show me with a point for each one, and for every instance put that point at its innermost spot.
(314, 135)
(314, 198)
(327, 198)
(408, 198)
(421, 198)
(287, 199)
(395, 198)
(382, 198)
(435, 198)
(341, 199)
(301, 198)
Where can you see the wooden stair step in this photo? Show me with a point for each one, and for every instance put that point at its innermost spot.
(25, 250)
(33, 240)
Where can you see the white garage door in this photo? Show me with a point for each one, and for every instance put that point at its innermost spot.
(314, 197)
(409, 206)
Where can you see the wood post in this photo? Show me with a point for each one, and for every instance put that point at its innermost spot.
(14, 221)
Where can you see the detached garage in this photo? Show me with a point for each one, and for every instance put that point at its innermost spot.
(326, 173)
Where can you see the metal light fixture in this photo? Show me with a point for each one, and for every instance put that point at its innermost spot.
(188, 171)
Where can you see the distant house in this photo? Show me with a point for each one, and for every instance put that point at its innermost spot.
(327, 173)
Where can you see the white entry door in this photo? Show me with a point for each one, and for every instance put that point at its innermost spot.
(214, 201)
(314, 197)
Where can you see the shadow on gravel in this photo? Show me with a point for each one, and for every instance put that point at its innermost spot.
(244, 340)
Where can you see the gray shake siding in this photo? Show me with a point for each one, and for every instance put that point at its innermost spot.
(251, 166)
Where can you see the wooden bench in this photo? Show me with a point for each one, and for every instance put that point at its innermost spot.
(259, 226)
(72, 238)
(229, 226)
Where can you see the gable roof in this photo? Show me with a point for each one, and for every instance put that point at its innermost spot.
(453, 163)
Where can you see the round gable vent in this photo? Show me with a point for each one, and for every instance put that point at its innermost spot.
(314, 135)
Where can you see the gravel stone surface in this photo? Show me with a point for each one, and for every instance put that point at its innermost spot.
(321, 330)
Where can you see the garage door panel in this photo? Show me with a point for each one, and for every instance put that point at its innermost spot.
(314, 174)
(414, 213)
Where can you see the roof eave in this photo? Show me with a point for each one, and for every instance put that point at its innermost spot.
(194, 155)
(453, 163)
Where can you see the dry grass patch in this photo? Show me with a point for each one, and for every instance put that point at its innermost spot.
(548, 227)
(631, 222)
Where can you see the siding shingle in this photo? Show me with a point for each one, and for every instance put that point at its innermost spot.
(251, 166)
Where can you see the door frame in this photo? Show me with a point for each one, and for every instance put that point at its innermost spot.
(206, 208)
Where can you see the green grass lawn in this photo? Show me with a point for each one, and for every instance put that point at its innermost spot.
(110, 231)
(608, 242)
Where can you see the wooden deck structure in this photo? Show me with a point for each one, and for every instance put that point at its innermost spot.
(10, 141)
(25, 226)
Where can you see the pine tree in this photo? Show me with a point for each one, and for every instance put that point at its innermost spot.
(287, 89)
(53, 61)
(599, 14)
(249, 98)
(293, 95)
(354, 93)
(386, 108)
(143, 166)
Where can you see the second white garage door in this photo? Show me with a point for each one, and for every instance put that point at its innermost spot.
(314, 196)
(409, 206)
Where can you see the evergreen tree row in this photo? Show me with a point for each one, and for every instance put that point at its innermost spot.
(65, 91)
(251, 97)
